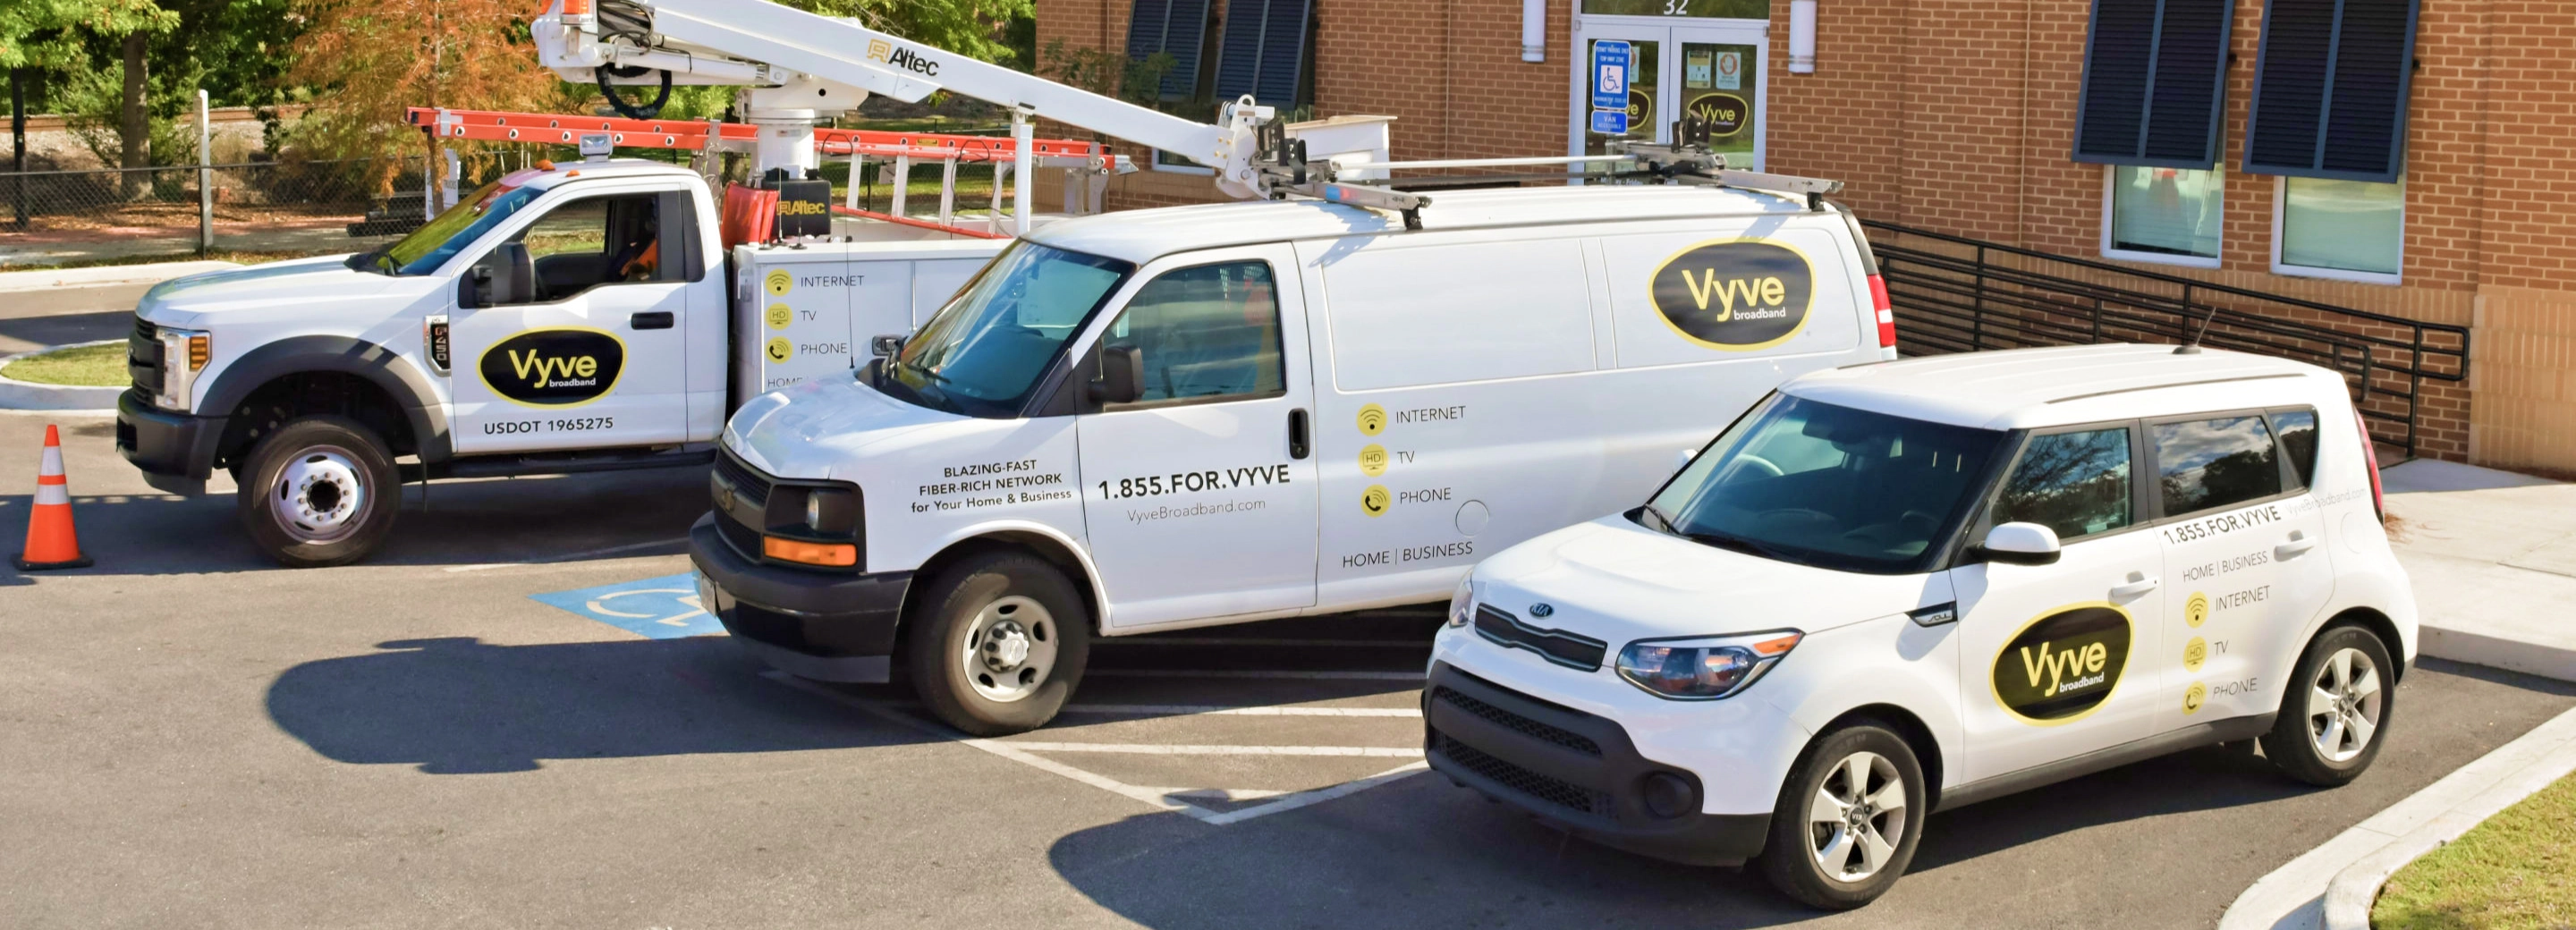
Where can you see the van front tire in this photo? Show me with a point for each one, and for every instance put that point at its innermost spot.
(999, 644)
(2334, 714)
(1848, 818)
(319, 491)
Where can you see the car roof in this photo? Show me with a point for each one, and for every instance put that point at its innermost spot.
(613, 168)
(2061, 385)
(1144, 235)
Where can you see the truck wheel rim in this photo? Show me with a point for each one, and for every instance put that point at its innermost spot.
(2344, 703)
(1857, 817)
(1009, 649)
(321, 495)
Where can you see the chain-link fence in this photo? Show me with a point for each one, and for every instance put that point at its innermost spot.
(277, 206)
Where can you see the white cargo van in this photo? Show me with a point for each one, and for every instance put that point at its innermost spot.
(1213, 414)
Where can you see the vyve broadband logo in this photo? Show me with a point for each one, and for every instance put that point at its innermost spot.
(1736, 295)
(554, 367)
(2063, 665)
(907, 59)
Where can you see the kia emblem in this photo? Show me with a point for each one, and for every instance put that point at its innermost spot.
(1541, 609)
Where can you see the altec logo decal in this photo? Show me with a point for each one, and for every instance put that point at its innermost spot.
(907, 59)
(554, 367)
(2064, 665)
(1743, 294)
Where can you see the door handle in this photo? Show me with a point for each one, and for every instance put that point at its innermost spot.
(2298, 545)
(650, 319)
(2138, 586)
(1297, 433)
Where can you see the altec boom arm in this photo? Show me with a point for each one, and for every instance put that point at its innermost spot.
(802, 65)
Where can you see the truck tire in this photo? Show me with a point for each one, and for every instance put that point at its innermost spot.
(319, 491)
(999, 643)
(2335, 709)
(1848, 818)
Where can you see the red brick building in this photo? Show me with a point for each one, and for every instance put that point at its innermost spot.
(1962, 117)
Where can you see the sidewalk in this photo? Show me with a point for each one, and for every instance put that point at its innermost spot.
(2493, 557)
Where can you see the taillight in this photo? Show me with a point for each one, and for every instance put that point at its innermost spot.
(1886, 312)
(2370, 458)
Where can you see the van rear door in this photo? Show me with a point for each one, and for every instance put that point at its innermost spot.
(1198, 503)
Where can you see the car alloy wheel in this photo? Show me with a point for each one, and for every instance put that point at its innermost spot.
(1857, 819)
(2344, 705)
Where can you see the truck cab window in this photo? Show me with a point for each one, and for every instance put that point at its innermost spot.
(594, 241)
(1210, 332)
(2074, 483)
(2203, 464)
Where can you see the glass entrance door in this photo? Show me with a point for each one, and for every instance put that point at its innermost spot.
(1716, 69)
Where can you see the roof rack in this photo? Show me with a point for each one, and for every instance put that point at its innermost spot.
(1371, 185)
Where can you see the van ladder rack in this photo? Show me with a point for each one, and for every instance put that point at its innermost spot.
(1671, 164)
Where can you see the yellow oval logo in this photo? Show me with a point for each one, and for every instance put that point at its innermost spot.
(1735, 295)
(2063, 665)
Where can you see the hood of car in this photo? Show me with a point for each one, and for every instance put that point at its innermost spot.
(1618, 582)
(220, 296)
(816, 429)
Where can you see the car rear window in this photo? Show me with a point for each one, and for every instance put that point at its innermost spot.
(2217, 462)
(2298, 431)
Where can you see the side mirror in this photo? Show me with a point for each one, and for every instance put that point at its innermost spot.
(1120, 371)
(475, 289)
(2020, 544)
(505, 277)
(885, 346)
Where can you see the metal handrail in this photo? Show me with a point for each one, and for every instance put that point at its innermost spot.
(1970, 302)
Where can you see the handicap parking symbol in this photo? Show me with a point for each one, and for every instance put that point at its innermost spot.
(660, 608)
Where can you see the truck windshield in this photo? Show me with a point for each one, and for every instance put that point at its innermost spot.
(439, 239)
(1829, 486)
(982, 353)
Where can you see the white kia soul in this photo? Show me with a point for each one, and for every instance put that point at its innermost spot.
(1897, 588)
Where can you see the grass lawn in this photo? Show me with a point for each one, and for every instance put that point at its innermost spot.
(221, 255)
(86, 366)
(2516, 870)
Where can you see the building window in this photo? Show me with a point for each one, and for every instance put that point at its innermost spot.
(2168, 215)
(2351, 230)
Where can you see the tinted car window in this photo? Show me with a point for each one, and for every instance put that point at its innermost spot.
(2074, 483)
(2202, 464)
(1205, 332)
(2298, 429)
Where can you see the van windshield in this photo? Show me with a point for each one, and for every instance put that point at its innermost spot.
(982, 353)
(1829, 486)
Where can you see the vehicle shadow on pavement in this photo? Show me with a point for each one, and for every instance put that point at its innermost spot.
(464, 523)
(458, 706)
(1417, 853)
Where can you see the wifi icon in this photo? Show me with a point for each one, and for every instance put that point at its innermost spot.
(1372, 420)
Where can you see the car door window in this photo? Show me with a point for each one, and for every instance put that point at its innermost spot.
(595, 241)
(1205, 333)
(2216, 462)
(2074, 483)
(2298, 431)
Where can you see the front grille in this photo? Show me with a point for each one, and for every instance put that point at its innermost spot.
(1558, 646)
(744, 540)
(752, 486)
(1546, 733)
(143, 356)
(1546, 788)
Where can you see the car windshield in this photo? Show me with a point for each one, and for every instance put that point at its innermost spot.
(1830, 486)
(440, 239)
(982, 353)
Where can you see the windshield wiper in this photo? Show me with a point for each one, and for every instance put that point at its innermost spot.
(1741, 544)
(1660, 519)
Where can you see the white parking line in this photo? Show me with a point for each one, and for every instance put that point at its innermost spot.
(1250, 673)
(1175, 749)
(1160, 798)
(1255, 641)
(1194, 710)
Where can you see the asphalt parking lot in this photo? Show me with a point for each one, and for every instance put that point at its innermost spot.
(194, 737)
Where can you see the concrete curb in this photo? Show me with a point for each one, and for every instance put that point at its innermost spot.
(28, 395)
(2335, 884)
(105, 275)
(2497, 652)
(2520, 769)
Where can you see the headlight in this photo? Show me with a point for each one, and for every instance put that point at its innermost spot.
(1462, 602)
(1703, 668)
(831, 512)
(184, 353)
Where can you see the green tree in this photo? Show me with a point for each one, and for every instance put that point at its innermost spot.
(49, 33)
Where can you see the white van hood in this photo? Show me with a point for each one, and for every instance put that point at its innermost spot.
(817, 429)
(1618, 582)
(215, 296)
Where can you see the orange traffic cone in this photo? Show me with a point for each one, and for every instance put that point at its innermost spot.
(51, 543)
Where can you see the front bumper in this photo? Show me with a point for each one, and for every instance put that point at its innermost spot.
(176, 451)
(828, 627)
(1576, 770)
